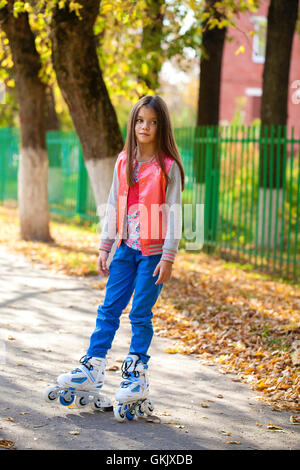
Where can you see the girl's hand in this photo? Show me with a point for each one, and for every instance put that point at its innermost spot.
(165, 270)
(101, 263)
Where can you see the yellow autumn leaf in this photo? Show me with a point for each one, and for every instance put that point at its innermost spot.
(6, 444)
(261, 385)
(274, 428)
(295, 419)
(114, 367)
(241, 49)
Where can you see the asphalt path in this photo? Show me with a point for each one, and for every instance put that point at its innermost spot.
(45, 323)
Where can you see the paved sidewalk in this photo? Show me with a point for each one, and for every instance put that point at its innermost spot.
(45, 323)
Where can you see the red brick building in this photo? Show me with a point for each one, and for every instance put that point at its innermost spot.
(241, 81)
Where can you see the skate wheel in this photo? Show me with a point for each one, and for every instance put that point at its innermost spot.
(51, 394)
(97, 405)
(149, 408)
(119, 415)
(66, 399)
(81, 402)
(140, 411)
(130, 414)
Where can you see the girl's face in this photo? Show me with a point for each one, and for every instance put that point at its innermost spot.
(146, 126)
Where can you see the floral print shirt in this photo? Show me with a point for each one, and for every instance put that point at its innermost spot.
(133, 227)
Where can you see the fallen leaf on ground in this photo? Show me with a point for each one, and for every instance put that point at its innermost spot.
(295, 419)
(274, 428)
(6, 444)
(153, 419)
(114, 367)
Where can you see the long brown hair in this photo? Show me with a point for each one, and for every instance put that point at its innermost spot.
(164, 135)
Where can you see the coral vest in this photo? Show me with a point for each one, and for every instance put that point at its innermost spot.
(151, 196)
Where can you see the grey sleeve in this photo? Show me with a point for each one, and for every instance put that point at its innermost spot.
(174, 215)
(109, 221)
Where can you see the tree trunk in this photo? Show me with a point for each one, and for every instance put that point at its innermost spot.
(206, 155)
(51, 119)
(80, 79)
(210, 72)
(282, 17)
(33, 163)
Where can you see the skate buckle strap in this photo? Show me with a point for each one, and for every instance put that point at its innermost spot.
(84, 360)
(129, 368)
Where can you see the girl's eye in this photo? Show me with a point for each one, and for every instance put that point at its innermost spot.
(141, 120)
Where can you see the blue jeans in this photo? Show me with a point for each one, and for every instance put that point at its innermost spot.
(129, 271)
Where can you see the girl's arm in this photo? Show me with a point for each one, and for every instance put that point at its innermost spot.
(174, 214)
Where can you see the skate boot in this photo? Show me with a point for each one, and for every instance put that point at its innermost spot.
(134, 390)
(83, 385)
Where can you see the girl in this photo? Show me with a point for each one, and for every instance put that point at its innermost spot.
(143, 218)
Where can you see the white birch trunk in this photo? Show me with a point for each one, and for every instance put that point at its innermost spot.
(268, 216)
(101, 176)
(33, 194)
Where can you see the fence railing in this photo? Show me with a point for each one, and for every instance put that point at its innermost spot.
(247, 179)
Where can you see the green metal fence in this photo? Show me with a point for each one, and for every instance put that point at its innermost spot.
(247, 180)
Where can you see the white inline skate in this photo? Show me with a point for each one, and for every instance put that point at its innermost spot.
(82, 385)
(132, 396)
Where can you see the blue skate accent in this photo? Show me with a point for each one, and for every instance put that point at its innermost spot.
(79, 380)
(87, 372)
(136, 389)
(125, 384)
(132, 379)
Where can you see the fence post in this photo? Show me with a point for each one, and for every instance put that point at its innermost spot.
(81, 199)
(4, 143)
(212, 181)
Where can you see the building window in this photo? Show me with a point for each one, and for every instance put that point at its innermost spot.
(259, 38)
(254, 98)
